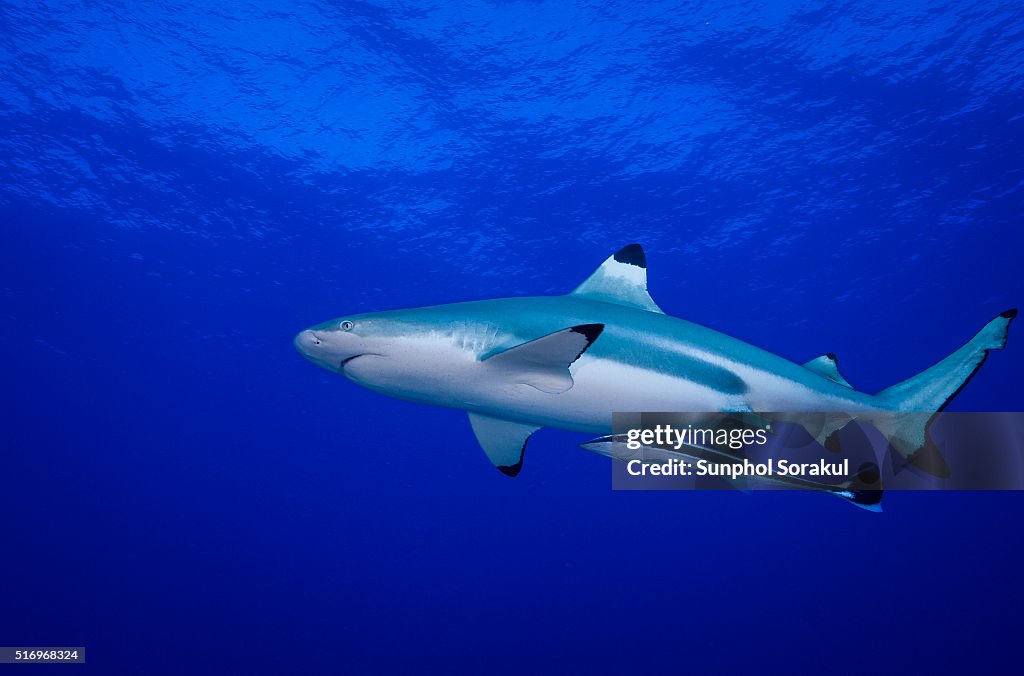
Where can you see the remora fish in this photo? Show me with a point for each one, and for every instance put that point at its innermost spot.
(519, 364)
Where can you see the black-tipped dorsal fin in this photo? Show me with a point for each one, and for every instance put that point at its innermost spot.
(827, 366)
(544, 363)
(503, 441)
(622, 279)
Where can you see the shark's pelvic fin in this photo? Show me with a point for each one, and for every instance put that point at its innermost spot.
(544, 363)
(827, 366)
(622, 279)
(503, 441)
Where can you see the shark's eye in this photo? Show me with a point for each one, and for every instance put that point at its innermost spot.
(346, 325)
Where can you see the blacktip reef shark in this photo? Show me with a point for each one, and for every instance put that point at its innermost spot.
(519, 364)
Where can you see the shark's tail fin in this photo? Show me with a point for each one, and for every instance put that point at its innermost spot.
(930, 391)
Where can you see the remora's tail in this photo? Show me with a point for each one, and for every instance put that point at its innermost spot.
(871, 500)
(930, 391)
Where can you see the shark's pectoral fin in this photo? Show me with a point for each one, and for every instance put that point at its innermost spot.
(621, 279)
(827, 366)
(544, 363)
(503, 441)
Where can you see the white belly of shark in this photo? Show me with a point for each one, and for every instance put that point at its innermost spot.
(519, 364)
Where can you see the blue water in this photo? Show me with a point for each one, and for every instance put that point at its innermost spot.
(186, 185)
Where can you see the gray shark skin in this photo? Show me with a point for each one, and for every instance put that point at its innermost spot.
(519, 364)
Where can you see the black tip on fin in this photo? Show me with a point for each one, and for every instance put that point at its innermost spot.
(832, 356)
(929, 459)
(511, 470)
(1009, 314)
(589, 331)
(632, 254)
(868, 474)
(832, 442)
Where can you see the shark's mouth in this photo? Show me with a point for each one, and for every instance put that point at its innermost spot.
(341, 366)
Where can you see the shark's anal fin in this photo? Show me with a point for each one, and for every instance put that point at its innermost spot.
(621, 279)
(544, 363)
(827, 366)
(503, 441)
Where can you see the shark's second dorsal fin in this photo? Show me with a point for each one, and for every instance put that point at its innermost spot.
(622, 279)
(826, 366)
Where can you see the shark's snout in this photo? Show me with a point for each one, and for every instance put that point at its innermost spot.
(313, 347)
(306, 342)
(327, 348)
